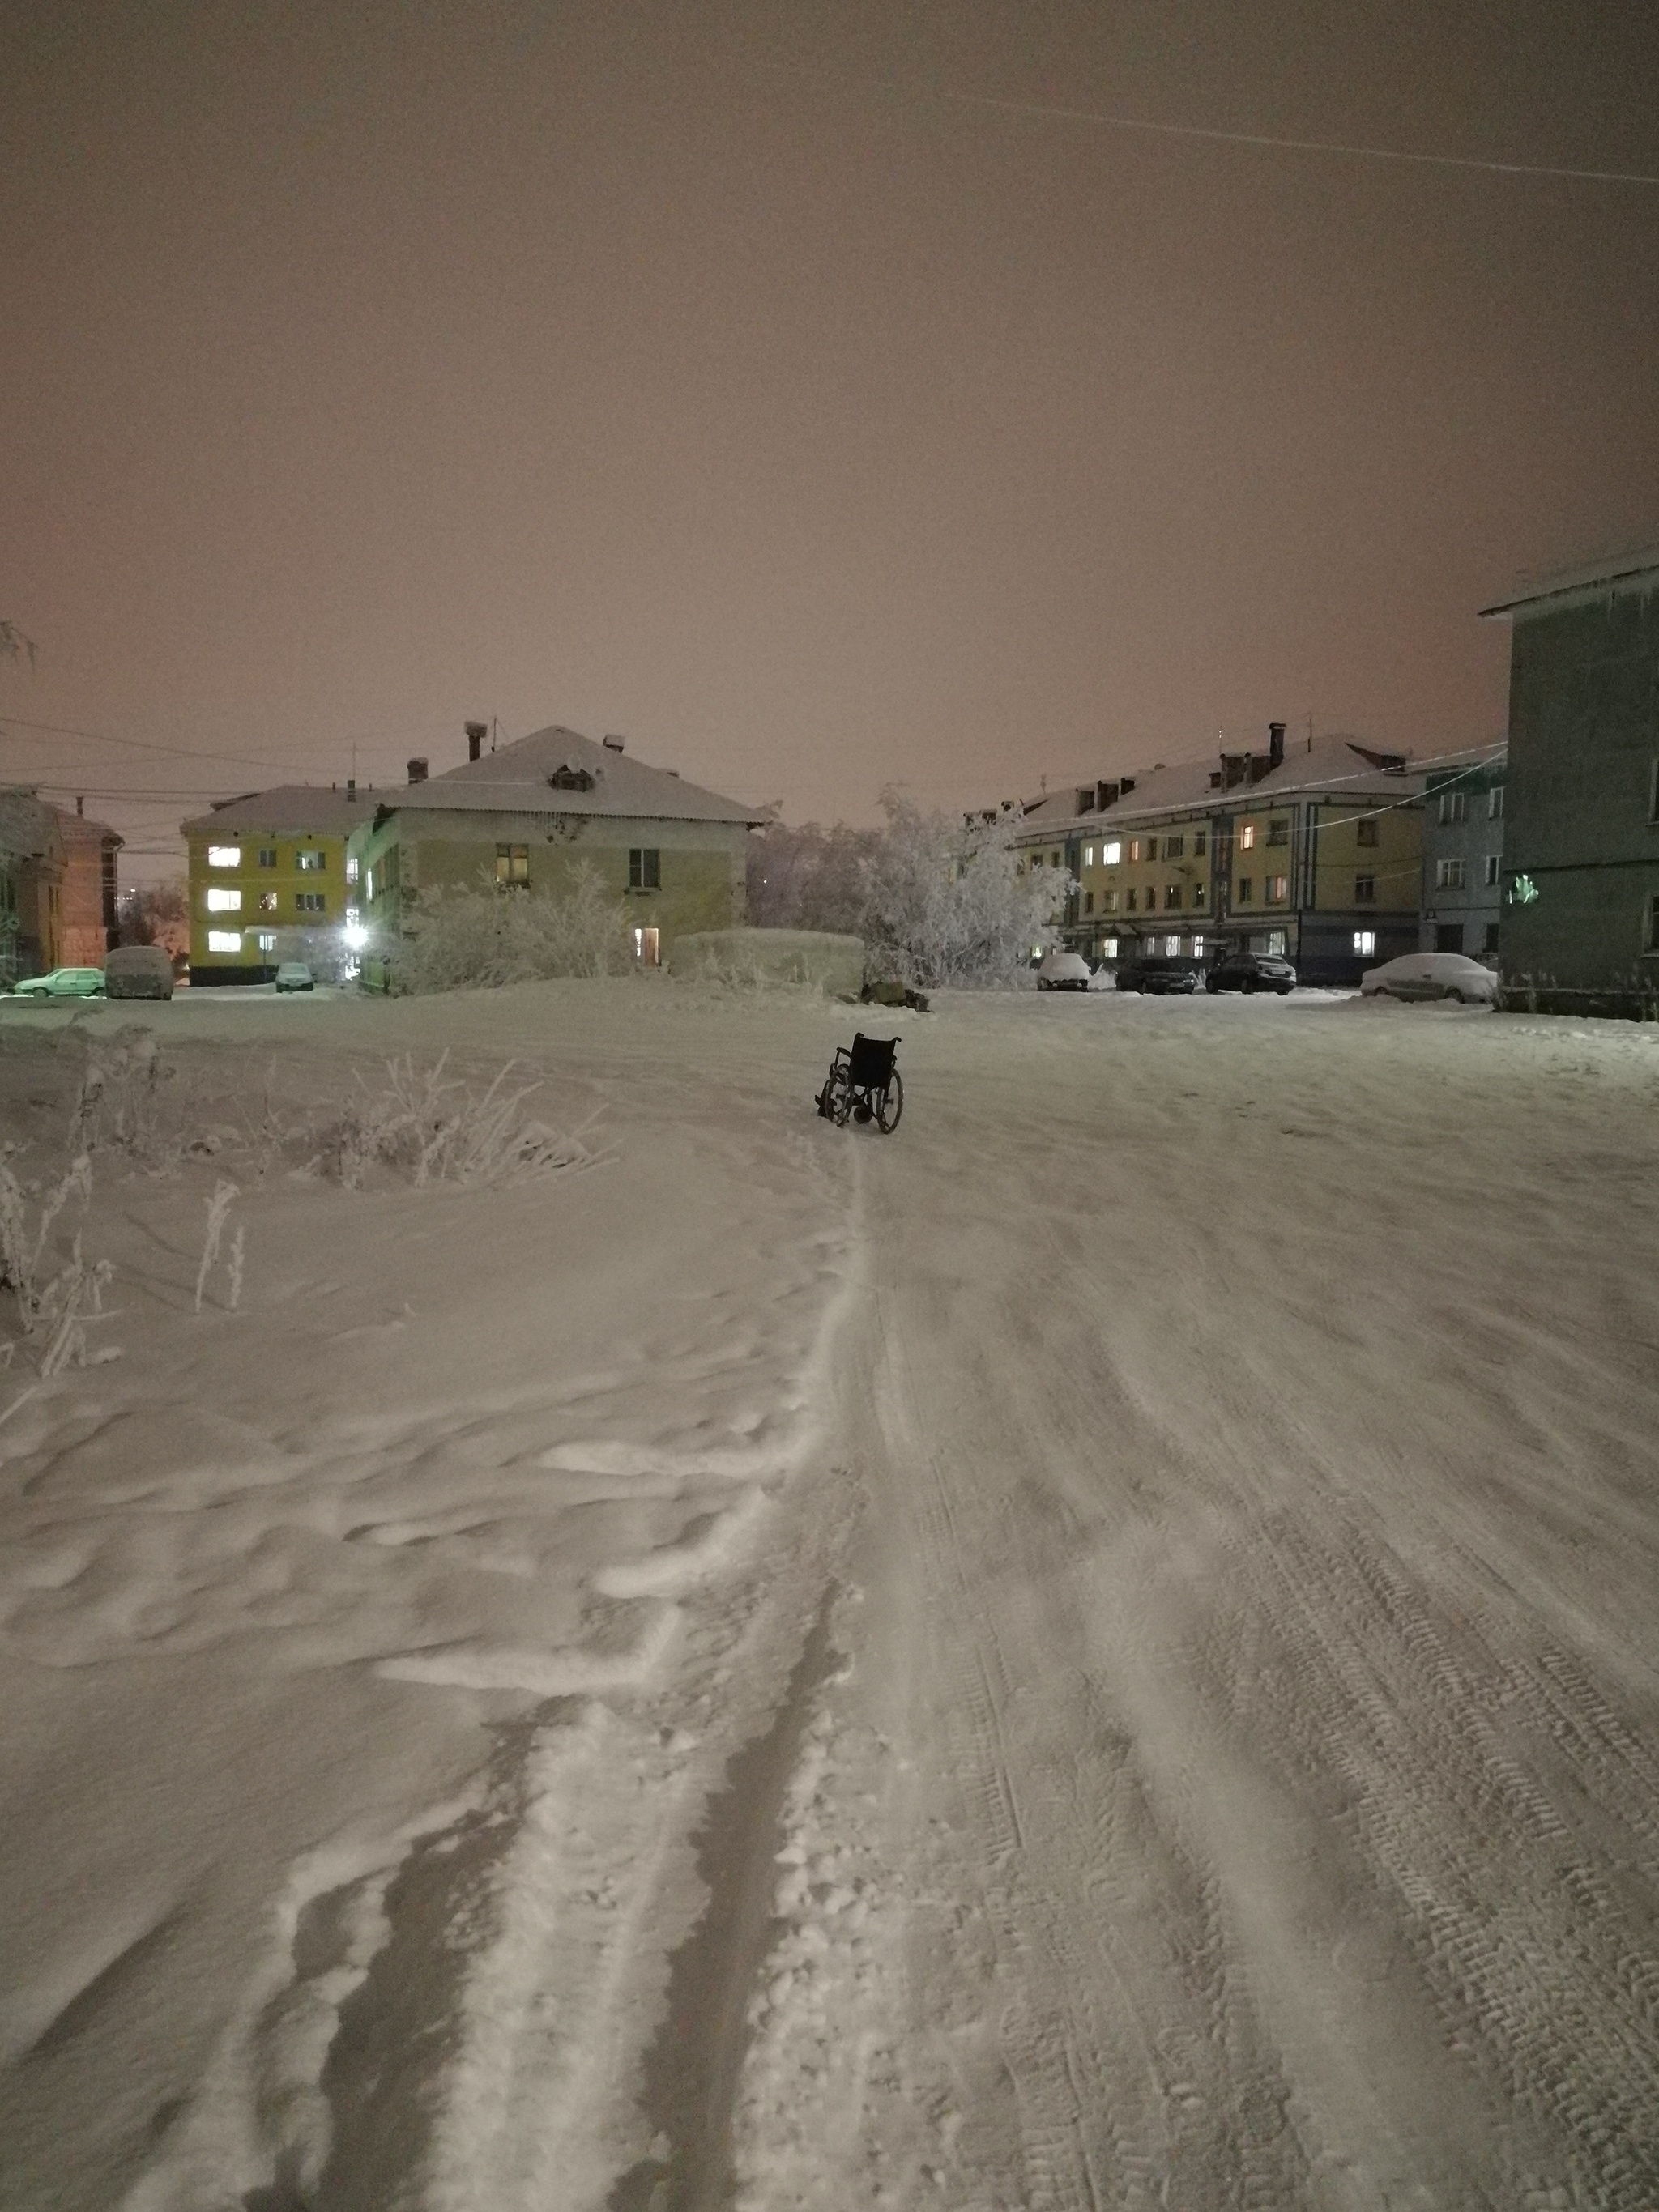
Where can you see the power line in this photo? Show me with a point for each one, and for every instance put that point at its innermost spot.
(914, 89)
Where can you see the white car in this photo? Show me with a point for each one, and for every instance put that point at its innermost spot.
(1063, 971)
(1431, 975)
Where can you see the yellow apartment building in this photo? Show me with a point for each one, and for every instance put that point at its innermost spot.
(268, 872)
(1314, 852)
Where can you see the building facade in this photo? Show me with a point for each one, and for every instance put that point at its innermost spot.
(1581, 861)
(1463, 857)
(269, 873)
(1314, 853)
(529, 817)
(32, 868)
(87, 902)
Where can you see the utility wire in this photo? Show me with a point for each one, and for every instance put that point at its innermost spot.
(913, 88)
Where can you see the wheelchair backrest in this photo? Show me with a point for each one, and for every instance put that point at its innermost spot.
(872, 1060)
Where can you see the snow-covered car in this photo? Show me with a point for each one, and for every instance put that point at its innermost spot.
(1431, 975)
(1158, 973)
(294, 976)
(62, 983)
(1062, 972)
(139, 971)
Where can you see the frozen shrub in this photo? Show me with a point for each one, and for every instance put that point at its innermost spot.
(435, 1128)
(459, 939)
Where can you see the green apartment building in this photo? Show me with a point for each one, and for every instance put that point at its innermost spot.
(1580, 924)
(527, 817)
(269, 874)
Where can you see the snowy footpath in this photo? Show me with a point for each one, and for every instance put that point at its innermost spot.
(1099, 1651)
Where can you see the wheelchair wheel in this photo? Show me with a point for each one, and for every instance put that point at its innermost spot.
(890, 1105)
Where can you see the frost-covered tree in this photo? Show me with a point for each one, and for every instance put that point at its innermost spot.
(811, 878)
(946, 901)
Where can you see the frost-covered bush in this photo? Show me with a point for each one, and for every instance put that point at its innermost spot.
(433, 1128)
(454, 940)
(946, 901)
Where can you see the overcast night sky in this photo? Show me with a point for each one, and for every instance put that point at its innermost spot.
(733, 377)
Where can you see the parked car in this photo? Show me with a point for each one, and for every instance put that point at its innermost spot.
(1063, 971)
(139, 971)
(294, 976)
(1158, 972)
(62, 983)
(1431, 975)
(1251, 971)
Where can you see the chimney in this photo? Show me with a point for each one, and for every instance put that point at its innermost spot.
(81, 808)
(613, 744)
(352, 786)
(418, 771)
(1275, 746)
(1126, 786)
(475, 735)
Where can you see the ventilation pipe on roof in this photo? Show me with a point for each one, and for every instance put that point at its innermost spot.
(475, 735)
(418, 771)
(352, 786)
(80, 807)
(1275, 746)
(613, 744)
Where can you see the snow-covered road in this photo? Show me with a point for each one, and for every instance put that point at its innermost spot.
(1099, 1651)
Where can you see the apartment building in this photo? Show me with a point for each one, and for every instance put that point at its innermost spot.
(267, 871)
(1463, 855)
(1314, 852)
(1581, 848)
(527, 817)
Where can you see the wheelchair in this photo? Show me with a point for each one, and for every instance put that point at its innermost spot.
(864, 1085)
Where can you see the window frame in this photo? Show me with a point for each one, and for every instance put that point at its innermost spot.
(1364, 891)
(645, 867)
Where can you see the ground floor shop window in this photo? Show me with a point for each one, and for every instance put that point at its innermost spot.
(646, 943)
(1365, 943)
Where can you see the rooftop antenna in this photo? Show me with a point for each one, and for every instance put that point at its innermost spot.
(494, 727)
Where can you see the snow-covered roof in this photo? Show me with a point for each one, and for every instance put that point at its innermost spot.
(289, 810)
(26, 824)
(1620, 570)
(559, 771)
(81, 830)
(1337, 764)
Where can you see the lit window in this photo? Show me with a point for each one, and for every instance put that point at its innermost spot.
(352, 917)
(1112, 854)
(1365, 942)
(1088, 856)
(351, 867)
(1198, 894)
(646, 943)
(1198, 947)
(644, 868)
(368, 884)
(310, 862)
(224, 940)
(311, 902)
(267, 902)
(266, 940)
(1364, 891)
(512, 864)
(1275, 944)
(1278, 889)
(222, 900)
(1247, 837)
(1108, 948)
(224, 856)
(1450, 875)
(1172, 947)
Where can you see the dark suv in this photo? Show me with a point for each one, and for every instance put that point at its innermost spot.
(1159, 972)
(1251, 971)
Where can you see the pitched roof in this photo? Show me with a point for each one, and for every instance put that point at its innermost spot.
(81, 830)
(558, 771)
(1341, 766)
(1594, 580)
(26, 823)
(288, 810)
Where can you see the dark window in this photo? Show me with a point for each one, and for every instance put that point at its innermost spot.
(1108, 903)
(1454, 808)
(1492, 934)
(644, 869)
(512, 866)
(1246, 889)
(1278, 831)
(1198, 894)
(1449, 936)
(1364, 831)
(566, 778)
(1172, 894)
(1495, 808)
(310, 902)
(267, 856)
(1088, 901)
(1364, 891)
(1173, 847)
(1201, 841)
(1492, 863)
(1132, 902)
